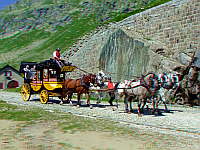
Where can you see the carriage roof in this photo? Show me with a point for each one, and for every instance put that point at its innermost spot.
(23, 65)
(47, 64)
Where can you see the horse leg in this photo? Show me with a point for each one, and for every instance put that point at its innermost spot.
(62, 96)
(88, 100)
(118, 98)
(139, 104)
(99, 98)
(70, 98)
(163, 99)
(157, 109)
(144, 103)
(97, 93)
(153, 106)
(78, 99)
(130, 103)
(125, 102)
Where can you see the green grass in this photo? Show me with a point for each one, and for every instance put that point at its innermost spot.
(18, 113)
(68, 122)
(18, 90)
(152, 4)
(63, 35)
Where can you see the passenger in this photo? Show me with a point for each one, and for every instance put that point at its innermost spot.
(27, 72)
(34, 77)
(33, 71)
(57, 57)
(34, 68)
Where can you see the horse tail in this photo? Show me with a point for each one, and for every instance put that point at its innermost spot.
(116, 86)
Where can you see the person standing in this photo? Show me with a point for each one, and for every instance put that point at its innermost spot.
(111, 93)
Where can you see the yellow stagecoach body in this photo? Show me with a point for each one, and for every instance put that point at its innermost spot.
(48, 79)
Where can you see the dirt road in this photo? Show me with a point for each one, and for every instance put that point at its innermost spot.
(181, 126)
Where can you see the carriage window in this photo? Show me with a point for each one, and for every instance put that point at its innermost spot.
(52, 73)
(45, 73)
(61, 76)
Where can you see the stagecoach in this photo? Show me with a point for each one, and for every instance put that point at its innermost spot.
(46, 79)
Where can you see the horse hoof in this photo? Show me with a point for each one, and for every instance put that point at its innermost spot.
(129, 112)
(139, 115)
(91, 106)
(115, 108)
(61, 103)
(125, 111)
(78, 106)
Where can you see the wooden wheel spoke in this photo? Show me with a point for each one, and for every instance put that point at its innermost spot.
(26, 92)
(44, 96)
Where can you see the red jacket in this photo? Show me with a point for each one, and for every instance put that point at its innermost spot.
(110, 85)
(57, 54)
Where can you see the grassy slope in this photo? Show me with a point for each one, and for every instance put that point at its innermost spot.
(39, 43)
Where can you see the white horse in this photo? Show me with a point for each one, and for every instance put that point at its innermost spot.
(167, 82)
(101, 77)
(146, 87)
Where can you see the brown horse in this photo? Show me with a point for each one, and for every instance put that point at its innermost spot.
(78, 86)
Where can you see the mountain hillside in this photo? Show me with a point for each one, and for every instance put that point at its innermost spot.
(30, 30)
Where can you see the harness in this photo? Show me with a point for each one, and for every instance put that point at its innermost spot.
(149, 86)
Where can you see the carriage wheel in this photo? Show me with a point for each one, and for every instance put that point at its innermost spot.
(26, 91)
(44, 96)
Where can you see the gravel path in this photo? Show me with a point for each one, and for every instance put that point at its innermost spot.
(182, 122)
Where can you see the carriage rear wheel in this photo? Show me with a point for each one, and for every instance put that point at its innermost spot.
(44, 96)
(26, 91)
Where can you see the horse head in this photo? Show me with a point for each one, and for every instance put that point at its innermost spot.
(92, 79)
(150, 81)
(168, 81)
(101, 77)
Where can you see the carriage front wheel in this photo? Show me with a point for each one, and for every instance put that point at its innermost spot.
(44, 96)
(26, 91)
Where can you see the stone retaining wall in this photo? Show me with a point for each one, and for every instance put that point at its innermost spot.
(174, 24)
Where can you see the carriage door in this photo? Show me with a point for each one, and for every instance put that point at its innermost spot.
(61, 77)
(36, 83)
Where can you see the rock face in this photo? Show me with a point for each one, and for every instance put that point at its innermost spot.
(124, 56)
(127, 55)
